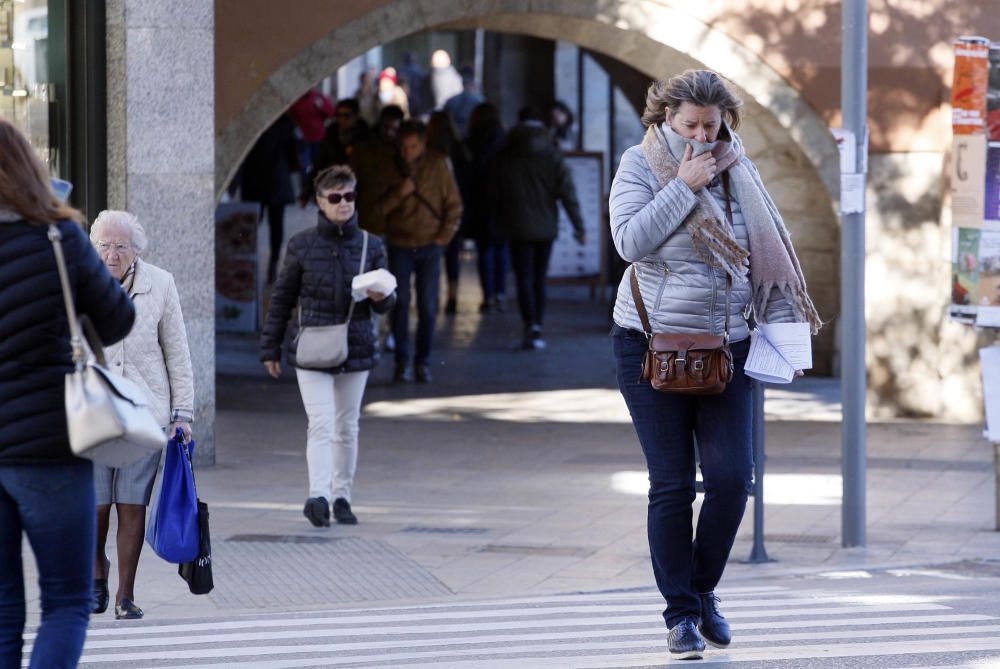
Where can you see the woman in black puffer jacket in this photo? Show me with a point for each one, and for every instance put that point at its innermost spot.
(45, 492)
(320, 264)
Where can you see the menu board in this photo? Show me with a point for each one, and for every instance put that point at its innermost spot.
(569, 259)
(236, 266)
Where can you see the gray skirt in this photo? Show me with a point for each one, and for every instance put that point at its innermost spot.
(126, 485)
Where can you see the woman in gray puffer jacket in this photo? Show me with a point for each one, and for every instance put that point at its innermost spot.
(669, 218)
(320, 264)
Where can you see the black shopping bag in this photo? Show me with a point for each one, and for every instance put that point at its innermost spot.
(198, 572)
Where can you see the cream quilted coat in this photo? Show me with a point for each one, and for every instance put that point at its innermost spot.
(155, 353)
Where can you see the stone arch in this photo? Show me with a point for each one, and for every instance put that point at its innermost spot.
(789, 141)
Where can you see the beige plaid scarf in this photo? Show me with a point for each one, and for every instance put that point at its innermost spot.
(775, 264)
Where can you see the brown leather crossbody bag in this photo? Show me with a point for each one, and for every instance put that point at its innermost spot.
(686, 364)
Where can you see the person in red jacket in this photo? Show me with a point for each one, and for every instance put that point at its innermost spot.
(310, 113)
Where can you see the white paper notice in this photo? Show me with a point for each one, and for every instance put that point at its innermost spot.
(989, 360)
(988, 317)
(852, 193)
(379, 280)
(777, 350)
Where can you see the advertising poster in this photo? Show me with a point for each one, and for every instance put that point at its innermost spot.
(993, 95)
(970, 85)
(968, 180)
(965, 274)
(570, 260)
(991, 207)
(236, 266)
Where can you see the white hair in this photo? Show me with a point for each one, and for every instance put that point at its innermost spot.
(124, 219)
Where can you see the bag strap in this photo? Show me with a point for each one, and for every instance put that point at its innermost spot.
(640, 306)
(426, 203)
(75, 331)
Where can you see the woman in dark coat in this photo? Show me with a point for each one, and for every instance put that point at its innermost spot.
(45, 492)
(319, 266)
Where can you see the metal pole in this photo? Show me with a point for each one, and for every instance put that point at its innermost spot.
(758, 553)
(853, 380)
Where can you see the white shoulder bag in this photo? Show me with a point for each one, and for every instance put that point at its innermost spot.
(325, 346)
(108, 416)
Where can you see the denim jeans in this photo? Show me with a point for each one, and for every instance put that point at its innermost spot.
(667, 426)
(492, 260)
(424, 264)
(531, 267)
(54, 506)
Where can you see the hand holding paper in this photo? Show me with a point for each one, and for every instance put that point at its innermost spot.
(378, 280)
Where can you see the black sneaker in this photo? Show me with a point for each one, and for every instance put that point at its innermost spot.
(423, 373)
(713, 626)
(684, 642)
(342, 512)
(317, 510)
(401, 374)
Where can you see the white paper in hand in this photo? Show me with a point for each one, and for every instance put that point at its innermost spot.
(765, 363)
(378, 280)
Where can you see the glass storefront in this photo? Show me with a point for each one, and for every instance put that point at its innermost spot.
(26, 87)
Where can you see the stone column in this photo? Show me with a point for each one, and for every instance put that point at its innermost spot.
(161, 161)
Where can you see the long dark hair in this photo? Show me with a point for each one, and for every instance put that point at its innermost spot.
(24, 181)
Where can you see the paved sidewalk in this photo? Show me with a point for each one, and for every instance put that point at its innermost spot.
(519, 474)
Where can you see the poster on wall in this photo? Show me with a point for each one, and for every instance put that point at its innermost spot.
(965, 274)
(988, 314)
(991, 197)
(970, 85)
(968, 180)
(570, 260)
(993, 94)
(236, 266)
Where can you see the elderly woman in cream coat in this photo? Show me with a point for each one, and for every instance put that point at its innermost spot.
(155, 356)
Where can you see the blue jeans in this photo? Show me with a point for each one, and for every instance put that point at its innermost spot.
(667, 425)
(54, 506)
(492, 260)
(424, 264)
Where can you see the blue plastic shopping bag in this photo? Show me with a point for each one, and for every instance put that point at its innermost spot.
(173, 530)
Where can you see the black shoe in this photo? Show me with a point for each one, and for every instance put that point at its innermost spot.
(423, 373)
(317, 510)
(401, 374)
(451, 307)
(101, 595)
(342, 512)
(684, 642)
(713, 626)
(127, 610)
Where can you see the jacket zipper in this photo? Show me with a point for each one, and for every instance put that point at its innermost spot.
(663, 287)
(711, 306)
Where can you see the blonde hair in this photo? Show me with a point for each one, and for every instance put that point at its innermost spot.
(123, 218)
(703, 88)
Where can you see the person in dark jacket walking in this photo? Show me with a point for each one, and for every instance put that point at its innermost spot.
(486, 136)
(266, 177)
(45, 492)
(530, 178)
(320, 264)
(338, 145)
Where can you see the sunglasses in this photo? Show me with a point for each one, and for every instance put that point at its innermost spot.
(335, 198)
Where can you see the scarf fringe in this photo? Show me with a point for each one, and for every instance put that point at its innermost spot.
(797, 297)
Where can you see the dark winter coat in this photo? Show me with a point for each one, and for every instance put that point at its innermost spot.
(266, 174)
(320, 264)
(530, 176)
(478, 217)
(35, 354)
(334, 151)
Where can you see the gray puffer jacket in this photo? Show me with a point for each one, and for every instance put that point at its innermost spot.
(680, 291)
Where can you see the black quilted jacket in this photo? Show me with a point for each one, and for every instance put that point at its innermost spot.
(34, 334)
(319, 265)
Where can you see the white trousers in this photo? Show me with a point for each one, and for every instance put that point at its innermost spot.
(333, 406)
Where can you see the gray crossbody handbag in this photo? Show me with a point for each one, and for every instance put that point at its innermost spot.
(325, 346)
(108, 416)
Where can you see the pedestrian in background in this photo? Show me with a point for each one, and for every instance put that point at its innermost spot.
(390, 92)
(339, 143)
(376, 163)
(311, 113)
(46, 493)
(422, 212)
(445, 81)
(319, 266)
(266, 177)
(459, 107)
(443, 139)
(530, 179)
(479, 221)
(155, 357)
(689, 210)
(367, 97)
